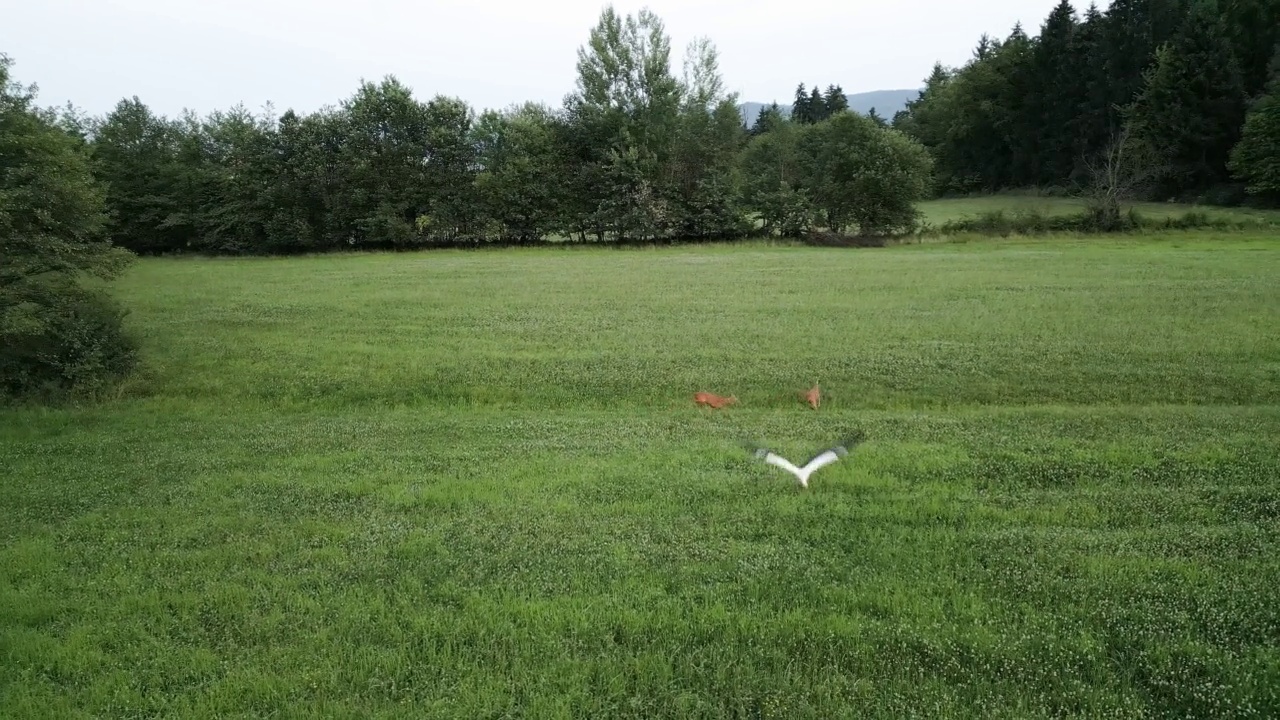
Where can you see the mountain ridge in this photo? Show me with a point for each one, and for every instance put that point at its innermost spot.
(885, 102)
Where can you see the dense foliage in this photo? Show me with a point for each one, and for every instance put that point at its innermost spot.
(638, 152)
(1256, 158)
(1176, 76)
(59, 331)
(1164, 98)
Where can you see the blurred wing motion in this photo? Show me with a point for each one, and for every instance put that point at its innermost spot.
(819, 461)
(779, 461)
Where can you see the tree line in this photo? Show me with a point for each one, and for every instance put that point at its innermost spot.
(637, 152)
(1190, 87)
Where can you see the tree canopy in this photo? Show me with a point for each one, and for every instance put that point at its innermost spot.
(1177, 75)
(648, 145)
(58, 331)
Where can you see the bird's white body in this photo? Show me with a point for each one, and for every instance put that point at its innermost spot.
(802, 474)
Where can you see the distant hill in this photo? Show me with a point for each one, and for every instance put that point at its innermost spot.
(886, 103)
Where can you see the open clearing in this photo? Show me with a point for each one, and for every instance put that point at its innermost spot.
(473, 484)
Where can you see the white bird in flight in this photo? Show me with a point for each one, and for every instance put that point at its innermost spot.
(821, 460)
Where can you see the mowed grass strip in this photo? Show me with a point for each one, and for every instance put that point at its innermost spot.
(1058, 322)
(475, 485)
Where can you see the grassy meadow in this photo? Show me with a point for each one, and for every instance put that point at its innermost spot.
(475, 485)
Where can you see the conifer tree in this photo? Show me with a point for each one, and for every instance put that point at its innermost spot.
(1192, 105)
(801, 112)
(834, 100)
(1017, 122)
(984, 48)
(818, 110)
(1132, 31)
(1060, 88)
(1253, 28)
(1090, 123)
(768, 120)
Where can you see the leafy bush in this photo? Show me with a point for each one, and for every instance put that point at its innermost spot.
(1224, 195)
(57, 333)
(860, 174)
(1003, 224)
(1091, 221)
(1194, 220)
(1256, 158)
(786, 210)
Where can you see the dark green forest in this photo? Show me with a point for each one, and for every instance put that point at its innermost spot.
(1151, 99)
(1181, 94)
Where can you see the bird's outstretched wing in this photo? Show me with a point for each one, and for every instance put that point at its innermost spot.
(769, 456)
(826, 457)
(779, 461)
(820, 460)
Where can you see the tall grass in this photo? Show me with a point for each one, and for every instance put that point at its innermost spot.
(1034, 213)
(1003, 224)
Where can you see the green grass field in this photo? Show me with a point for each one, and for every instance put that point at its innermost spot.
(474, 485)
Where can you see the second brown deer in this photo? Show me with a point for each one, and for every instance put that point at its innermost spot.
(814, 397)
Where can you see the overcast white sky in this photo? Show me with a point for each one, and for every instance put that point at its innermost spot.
(206, 55)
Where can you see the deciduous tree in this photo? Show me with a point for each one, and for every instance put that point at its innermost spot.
(58, 331)
(863, 176)
(1256, 159)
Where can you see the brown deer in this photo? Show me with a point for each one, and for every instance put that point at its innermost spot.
(713, 400)
(814, 397)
